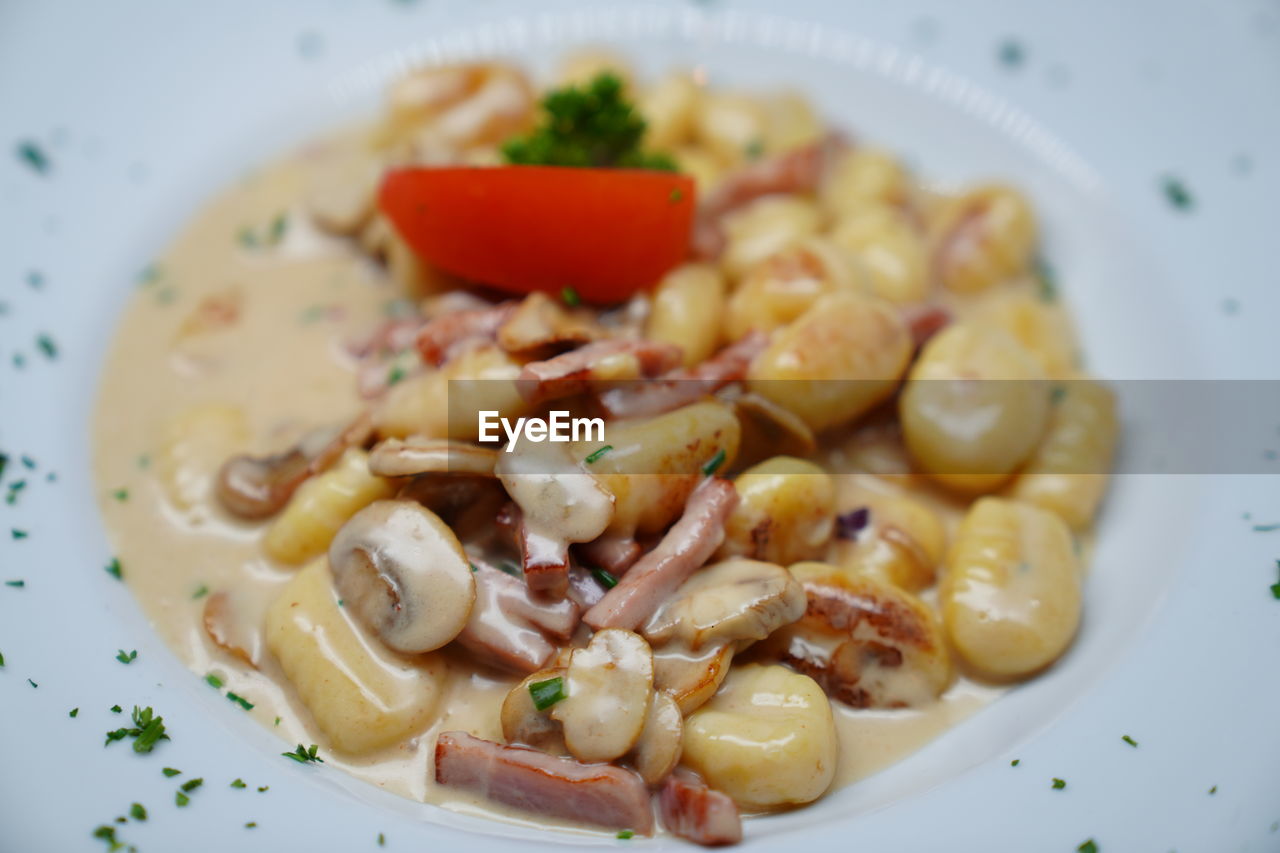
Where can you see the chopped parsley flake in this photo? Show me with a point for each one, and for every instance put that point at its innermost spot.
(1213, 790)
(147, 730)
(1011, 54)
(74, 713)
(1059, 784)
(1, 660)
(240, 700)
(395, 374)
(607, 580)
(15, 584)
(595, 455)
(277, 721)
(714, 463)
(200, 592)
(18, 534)
(115, 709)
(626, 834)
(302, 755)
(570, 297)
(1275, 587)
(1015, 762)
(191, 784)
(180, 799)
(171, 772)
(547, 693)
(28, 462)
(511, 568)
(1266, 528)
(239, 783)
(14, 489)
(47, 346)
(1089, 846)
(34, 157)
(108, 834)
(675, 196)
(754, 149)
(121, 495)
(262, 789)
(251, 824)
(1046, 281)
(1177, 194)
(1129, 741)
(137, 812)
(213, 681)
(113, 569)
(32, 683)
(127, 657)
(382, 840)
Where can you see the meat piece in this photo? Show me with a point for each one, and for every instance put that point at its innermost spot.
(925, 321)
(584, 588)
(615, 554)
(508, 627)
(545, 561)
(685, 385)
(799, 170)
(687, 545)
(691, 810)
(543, 784)
(540, 323)
(440, 337)
(616, 359)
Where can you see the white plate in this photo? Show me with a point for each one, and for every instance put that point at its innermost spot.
(144, 108)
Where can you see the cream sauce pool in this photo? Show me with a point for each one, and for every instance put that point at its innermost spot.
(237, 340)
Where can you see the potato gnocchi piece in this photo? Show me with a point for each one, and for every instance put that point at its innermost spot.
(982, 238)
(790, 122)
(655, 462)
(422, 404)
(783, 286)
(895, 538)
(836, 361)
(669, 109)
(1010, 597)
(766, 227)
(731, 125)
(868, 643)
(685, 305)
(361, 695)
(1068, 473)
(863, 178)
(974, 407)
(1042, 327)
(193, 446)
(767, 739)
(886, 245)
(321, 506)
(786, 512)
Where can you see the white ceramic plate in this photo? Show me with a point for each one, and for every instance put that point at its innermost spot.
(145, 108)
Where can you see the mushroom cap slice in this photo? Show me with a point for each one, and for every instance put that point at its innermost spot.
(394, 457)
(608, 686)
(402, 573)
(691, 678)
(523, 723)
(732, 601)
(658, 750)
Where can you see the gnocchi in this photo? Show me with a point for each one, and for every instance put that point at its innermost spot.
(785, 514)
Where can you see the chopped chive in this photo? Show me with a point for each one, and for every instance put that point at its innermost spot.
(171, 772)
(137, 812)
(606, 580)
(47, 346)
(15, 584)
(200, 592)
(1177, 194)
(302, 755)
(1059, 784)
(14, 489)
(1129, 741)
(213, 680)
(275, 231)
(1, 660)
(714, 463)
(626, 834)
(240, 700)
(1011, 54)
(113, 569)
(510, 568)
(277, 721)
(19, 534)
(121, 495)
(595, 456)
(473, 567)
(33, 156)
(1046, 281)
(547, 693)
(1266, 528)
(754, 149)
(28, 462)
(570, 297)
(127, 657)
(32, 683)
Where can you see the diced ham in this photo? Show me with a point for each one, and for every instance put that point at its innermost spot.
(543, 784)
(615, 554)
(691, 810)
(687, 545)
(615, 359)
(440, 337)
(545, 562)
(509, 627)
(685, 385)
(925, 321)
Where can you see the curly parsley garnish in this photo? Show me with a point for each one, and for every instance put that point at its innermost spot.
(591, 126)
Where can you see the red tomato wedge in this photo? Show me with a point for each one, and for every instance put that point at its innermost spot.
(606, 233)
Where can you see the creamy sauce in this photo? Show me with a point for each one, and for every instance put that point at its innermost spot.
(260, 383)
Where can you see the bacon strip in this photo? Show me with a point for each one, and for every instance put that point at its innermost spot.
(439, 338)
(572, 372)
(545, 561)
(508, 627)
(615, 554)
(795, 171)
(687, 545)
(543, 784)
(685, 385)
(691, 810)
(925, 321)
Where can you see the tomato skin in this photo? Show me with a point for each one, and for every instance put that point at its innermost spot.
(606, 233)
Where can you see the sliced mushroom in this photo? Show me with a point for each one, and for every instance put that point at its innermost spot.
(542, 784)
(866, 642)
(728, 602)
(600, 361)
(658, 750)
(229, 628)
(769, 430)
(523, 723)
(409, 457)
(690, 678)
(607, 688)
(539, 322)
(257, 487)
(402, 573)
